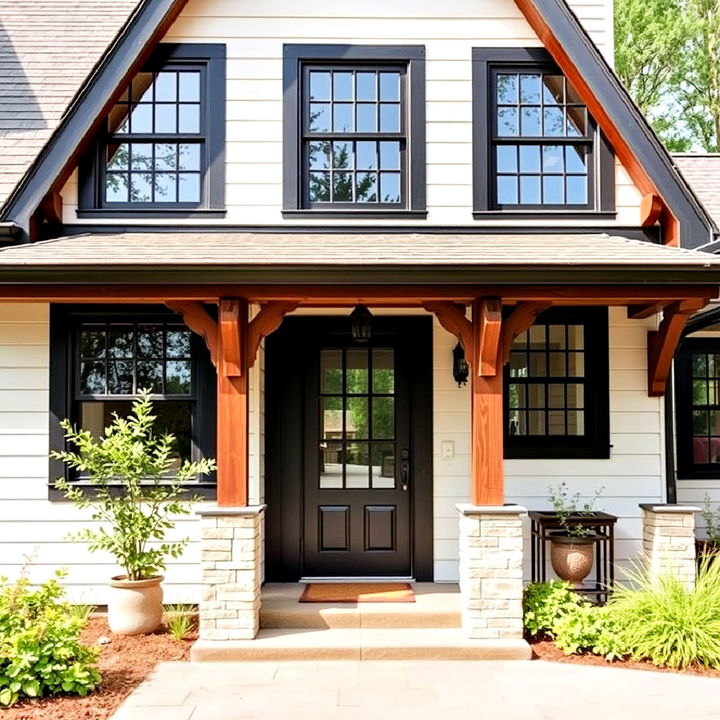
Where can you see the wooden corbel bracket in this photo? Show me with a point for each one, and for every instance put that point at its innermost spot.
(521, 318)
(663, 342)
(197, 318)
(265, 322)
(452, 317)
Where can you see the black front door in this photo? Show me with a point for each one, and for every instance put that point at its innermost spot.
(362, 471)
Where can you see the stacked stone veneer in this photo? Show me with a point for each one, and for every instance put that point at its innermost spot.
(491, 583)
(231, 564)
(669, 540)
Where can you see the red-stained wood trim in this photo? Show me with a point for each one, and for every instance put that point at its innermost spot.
(651, 207)
(232, 360)
(622, 148)
(265, 322)
(452, 317)
(351, 295)
(487, 325)
(640, 312)
(663, 342)
(487, 474)
(51, 207)
(232, 406)
(197, 318)
(521, 318)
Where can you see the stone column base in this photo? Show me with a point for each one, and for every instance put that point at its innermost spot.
(669, 540)
(231, 564)
(491, 583)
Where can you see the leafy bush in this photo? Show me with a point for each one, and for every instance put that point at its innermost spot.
(132, 454)
(544, 603)
(664, 621)
(40, 650)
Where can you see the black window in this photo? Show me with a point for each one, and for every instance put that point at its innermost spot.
(161, 147)
(556, 387)
(697, 401)
(102, 359)
(354, 129)
(536, 146)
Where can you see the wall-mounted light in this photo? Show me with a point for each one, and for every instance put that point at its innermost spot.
(361, 324)
(460, 366)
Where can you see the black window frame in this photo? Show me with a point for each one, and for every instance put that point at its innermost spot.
(687, 468)
(65, 324)
(595, 443)
(486, 63)
(210, 60)
(297, 59)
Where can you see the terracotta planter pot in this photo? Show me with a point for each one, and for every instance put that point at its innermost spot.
(572, 557)
(135, 606)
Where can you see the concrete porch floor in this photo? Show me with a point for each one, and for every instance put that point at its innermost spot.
(428, 629)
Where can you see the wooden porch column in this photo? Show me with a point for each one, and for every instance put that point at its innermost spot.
(232, 404)
(487, 480)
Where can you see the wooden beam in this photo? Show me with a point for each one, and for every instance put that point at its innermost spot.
(265, 322)
(487, 324)
(232, 405)
(452, 317)
(651, 208)
(642, 311)
(487, 474)
(51, 207)
(233, 362)
(197, 318)
(521, 318)
(663, 342)
(351, 295)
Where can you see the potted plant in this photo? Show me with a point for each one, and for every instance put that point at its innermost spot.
(711, 544)
(571, 547)
(135, 496)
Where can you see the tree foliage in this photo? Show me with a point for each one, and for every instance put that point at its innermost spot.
(668, 55)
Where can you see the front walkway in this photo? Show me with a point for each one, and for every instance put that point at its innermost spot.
(426, 690)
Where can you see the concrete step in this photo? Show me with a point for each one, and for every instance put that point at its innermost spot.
(435, 606)
(360, 644)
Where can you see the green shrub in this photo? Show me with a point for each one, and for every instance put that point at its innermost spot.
(180, 620)
(40, 650)
(662, 620)
(544, 603)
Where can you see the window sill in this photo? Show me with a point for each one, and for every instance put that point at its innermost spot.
(206, 491)
(180, 213)
(344, 214)
(698, 474)
(540, 452)
(543, 214)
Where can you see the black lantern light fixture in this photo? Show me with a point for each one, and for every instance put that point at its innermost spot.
(460, 366)
(361, 324)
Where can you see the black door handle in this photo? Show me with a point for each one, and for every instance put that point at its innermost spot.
(404, 469)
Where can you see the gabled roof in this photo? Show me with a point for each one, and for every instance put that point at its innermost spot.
(47, 50)
(554, 22)
(702, 173)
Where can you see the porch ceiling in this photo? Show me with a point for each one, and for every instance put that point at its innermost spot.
(252, 258)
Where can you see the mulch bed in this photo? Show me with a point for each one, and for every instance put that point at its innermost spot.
(124, 663)
(547, 650)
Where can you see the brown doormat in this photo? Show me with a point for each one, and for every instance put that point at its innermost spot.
(357, 593)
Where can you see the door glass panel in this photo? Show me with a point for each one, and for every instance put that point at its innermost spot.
(357, 371)
(356, 419)
(383, 364)
(383, 418)
(332, 419)
(331, 380)
(357, 466)
(383, 465)
(331, 466)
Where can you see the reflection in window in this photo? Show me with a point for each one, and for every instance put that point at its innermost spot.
(705, 389)
(542, 141)
(361, 109)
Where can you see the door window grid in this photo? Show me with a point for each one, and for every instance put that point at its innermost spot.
(357, 418)
(705, 368)
(542, 141)
(546, 390)
(362, 110)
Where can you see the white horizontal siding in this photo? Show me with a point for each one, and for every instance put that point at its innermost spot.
(254, 35)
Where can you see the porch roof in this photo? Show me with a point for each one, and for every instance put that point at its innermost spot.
(363, 256)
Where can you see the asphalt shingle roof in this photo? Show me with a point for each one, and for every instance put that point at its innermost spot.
(702, 173)
(47, 49)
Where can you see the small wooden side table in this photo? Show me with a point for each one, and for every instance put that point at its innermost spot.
(544, 522)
